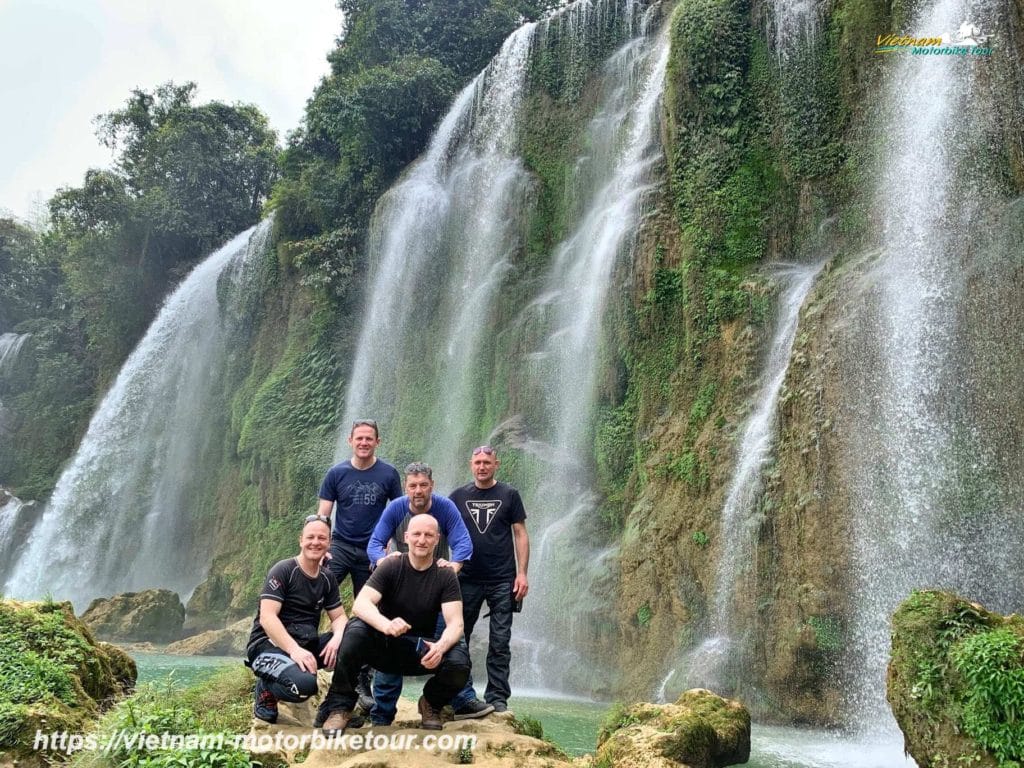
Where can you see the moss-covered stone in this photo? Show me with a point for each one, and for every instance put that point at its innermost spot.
(956, 682)
(700, 729)
(55, 676)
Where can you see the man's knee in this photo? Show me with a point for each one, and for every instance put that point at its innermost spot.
(287, 680)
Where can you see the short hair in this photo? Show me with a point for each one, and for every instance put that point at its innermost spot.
(365, 423)
(419, 468)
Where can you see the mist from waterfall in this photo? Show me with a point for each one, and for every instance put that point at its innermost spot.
(929, 512)
(124, 515)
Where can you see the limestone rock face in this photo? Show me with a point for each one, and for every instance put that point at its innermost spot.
(954, 681)
(154, 615)
(701, 730)
(229, 641)
(63, 676)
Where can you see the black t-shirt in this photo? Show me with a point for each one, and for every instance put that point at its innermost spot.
(302, 599)
(415, 596)
(489, 514)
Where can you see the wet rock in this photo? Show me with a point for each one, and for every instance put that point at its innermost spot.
(154, 615)
(229, 641)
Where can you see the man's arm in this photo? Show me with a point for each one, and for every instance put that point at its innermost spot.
(365, 608)
(324, 508)
(270, 620)
(452, 613)
(455, 531)
(338, 621)
(377, 549)
(522, 544)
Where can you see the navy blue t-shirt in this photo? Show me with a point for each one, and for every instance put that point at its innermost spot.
(360, 495)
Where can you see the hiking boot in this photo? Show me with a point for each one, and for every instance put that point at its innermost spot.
(265, 705)
(322, 713)
(365, 702)
(430, 718)
(471, 709)
(500, 706)
(337, 722)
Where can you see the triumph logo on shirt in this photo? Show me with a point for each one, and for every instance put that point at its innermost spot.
(483, 513)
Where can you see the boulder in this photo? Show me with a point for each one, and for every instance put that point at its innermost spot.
(58, 678)
(700, 730)
(154, 615)
(955, 681)
(229, 641)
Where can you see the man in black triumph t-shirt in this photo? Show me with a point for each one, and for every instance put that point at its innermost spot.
(393, 626)
(495, 574)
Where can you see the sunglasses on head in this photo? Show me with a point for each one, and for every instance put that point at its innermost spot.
(317, 519)
(484, 449)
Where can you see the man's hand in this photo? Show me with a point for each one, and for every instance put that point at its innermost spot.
(330, 652)
(305, 660)
(397, 627)
(432, 658)
(520, 586)
(442, 563)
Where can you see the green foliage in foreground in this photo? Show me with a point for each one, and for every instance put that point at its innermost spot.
(219, 705)
(53, 675)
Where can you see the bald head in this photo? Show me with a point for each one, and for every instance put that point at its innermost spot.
(421, 536)
(423, 523)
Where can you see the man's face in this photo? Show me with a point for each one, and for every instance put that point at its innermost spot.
(483, 466)
(315, 540)
(421, 536)
(418, 488)
(364, 442)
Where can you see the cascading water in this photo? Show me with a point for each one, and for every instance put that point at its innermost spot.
(609, 188)
(930, 507)
(444, 238)
(10, 346)
(740, 518)
(122, 515)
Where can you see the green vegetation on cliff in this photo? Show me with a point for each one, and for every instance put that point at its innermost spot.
(956, 682)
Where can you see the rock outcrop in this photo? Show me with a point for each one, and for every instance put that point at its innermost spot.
(229, 641)
(55, 676)
(153, 615)
(701, 730)
(956, 681)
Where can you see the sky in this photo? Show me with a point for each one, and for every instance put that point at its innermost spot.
(62, 62)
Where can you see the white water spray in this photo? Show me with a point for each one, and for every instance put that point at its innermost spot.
(121, 516)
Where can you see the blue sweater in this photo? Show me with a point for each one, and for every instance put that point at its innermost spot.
(448, 519)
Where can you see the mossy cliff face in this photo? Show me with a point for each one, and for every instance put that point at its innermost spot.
(956, 682)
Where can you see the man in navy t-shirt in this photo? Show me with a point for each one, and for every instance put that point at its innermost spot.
(495, 574)
(358, 489)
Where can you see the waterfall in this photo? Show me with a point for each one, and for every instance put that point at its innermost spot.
(740, 518)
(10, 346)
(441, 241)
(609, 187)
(444, 240)
(124, 514)
(930, 508)
(16, 518)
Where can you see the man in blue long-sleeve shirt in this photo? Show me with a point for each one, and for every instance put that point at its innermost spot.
(419, 499)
